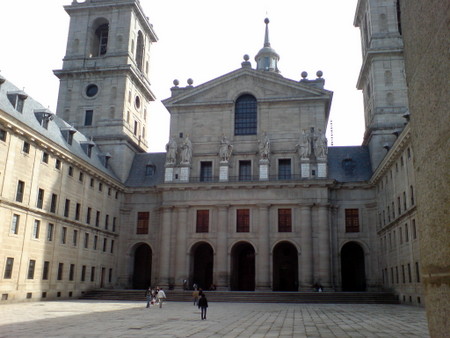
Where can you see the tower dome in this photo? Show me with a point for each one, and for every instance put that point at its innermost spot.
(267, 58)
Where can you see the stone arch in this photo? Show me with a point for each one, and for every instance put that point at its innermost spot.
(142, 255)
(285, 267)
(201, 265)
(140, 51)
(99, 37)
(242, 267)
(353, 271)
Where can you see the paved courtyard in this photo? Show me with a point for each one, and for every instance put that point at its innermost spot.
(79, 318)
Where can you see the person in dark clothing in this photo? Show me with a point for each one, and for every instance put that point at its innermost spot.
(203, 305)
(148, 296)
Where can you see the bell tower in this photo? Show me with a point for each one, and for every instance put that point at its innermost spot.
(382, 77)
(104, 81)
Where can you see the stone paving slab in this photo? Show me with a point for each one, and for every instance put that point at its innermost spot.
(83, 318)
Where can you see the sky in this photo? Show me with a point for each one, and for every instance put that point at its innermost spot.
(202, 39)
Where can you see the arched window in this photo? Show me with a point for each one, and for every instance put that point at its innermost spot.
(245, 115)
(140, 51)
(99, 37)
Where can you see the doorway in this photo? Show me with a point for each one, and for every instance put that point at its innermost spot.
(243, 267)
(142, 272)
(353, 267)
(285, 267)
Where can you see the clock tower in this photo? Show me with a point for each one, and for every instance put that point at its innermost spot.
(104, 81)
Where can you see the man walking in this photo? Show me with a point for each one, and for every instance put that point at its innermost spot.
(161, 296)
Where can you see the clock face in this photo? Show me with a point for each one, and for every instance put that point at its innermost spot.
(91, 90)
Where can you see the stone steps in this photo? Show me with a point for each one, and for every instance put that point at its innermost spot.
(252, 297)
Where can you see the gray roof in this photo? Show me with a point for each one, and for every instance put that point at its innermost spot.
(55, 127)
(138, 178)
(349, 164)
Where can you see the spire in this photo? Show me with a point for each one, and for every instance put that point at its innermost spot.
(266, 37)
(267, 58)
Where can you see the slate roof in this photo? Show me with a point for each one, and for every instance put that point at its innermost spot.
(137, 177)
(349, 164)
(53, 132)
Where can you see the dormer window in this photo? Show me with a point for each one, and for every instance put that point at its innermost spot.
(68, 134)
(17, 100)
(87, 147)
(149, 170)
(44, 116)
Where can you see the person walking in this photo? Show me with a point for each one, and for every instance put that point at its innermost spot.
(203, 305)
(161, 296)
(148, 295)
(195, 296)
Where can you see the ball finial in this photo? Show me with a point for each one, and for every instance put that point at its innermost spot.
(266, 21)
(304, 74)
(190, 82)
(319, 73)
(246, 57)
(176, 82)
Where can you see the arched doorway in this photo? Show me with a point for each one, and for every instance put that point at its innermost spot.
(142, 272)
(202, 264)
(353, 267)
(285, 267)
(243, 267)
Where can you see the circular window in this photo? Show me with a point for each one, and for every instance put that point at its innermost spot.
(91, 90)
(137, 102)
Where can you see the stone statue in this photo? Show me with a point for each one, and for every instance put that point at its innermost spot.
(320, 145)
(186, 151)
(303, 147)
(171, 149)
(225, 149)
(264, 147)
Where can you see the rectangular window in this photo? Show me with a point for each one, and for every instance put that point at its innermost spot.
(70, 172)
(414, 230)
(88, 117)
(202, 224)
(31, 267)
(403, 274)
(112, 246)
(404, 200)
(26, 147)
(67, 208)
(45, 157)
(411, 189)
(53, 203)
(399, 206)
(81, 177)
(45, 270)
(83, 273)
(100, 186)
(60, 271)
(88, 215)
(114, 224)
(36, 228)
(15, 224)
(8, 268)
(417, 273)
(143, 219)
(284, 220)
(243, 220)
(63, 235)
(75, 238)
(105, 243)
(50, 228)
(206, 171)
(3, 134)
(91, 183)
(71, 271)
(20, 190)
(106, 222)
(58, 164)
(92, 274)
(409, 273)
(95, 242)
(284, 169)
(110, 276)
(351, 220)
(40, 199)
(77, 211)
(245, 170)
(97, 219)
(86, 240)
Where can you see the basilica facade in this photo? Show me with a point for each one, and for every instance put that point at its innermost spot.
(248, 195)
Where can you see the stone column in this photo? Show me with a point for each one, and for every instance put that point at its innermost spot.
(263, 257)
(179, 270)
(221, 273)
(164, 258)
(306, 240)
(324, 246)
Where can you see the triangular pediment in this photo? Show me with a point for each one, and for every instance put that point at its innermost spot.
(264, 86)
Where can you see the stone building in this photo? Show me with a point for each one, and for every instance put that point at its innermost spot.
(248, 195)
